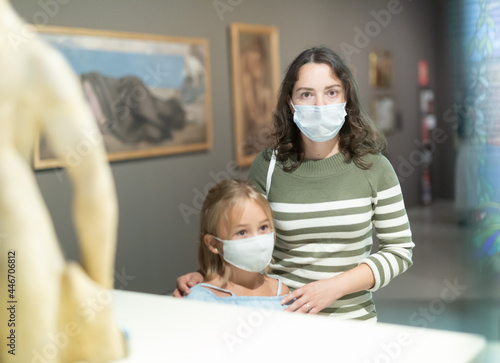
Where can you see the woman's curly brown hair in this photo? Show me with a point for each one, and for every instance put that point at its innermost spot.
(358, 135)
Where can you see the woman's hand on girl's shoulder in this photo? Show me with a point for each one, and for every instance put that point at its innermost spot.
(185, 282)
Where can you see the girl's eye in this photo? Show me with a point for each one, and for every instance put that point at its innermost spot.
(265, 227)
(241, 233)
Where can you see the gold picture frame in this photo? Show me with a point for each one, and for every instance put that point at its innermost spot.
(256, 78)
(150, 94)
(380, 69)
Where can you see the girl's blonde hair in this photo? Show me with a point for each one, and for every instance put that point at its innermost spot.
(220, 202)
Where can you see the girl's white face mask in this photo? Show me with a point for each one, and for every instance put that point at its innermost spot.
(319, 123)
(250, 254)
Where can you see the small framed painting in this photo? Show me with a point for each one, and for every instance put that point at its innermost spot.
(256, 78)
(380, 69)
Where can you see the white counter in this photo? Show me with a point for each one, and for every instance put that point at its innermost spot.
(165, 329)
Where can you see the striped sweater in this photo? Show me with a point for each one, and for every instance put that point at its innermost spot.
(324, 213)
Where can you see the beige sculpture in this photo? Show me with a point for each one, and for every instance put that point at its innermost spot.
(51, 311)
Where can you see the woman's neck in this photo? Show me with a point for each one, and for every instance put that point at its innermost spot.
(320, 150)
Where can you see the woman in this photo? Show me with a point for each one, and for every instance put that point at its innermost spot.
(328, 186)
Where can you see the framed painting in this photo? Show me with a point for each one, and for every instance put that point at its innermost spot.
(380, 69)
(256, 78)
(150, 94)
(384, 113)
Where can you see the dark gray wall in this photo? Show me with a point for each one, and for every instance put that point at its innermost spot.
(444, 161)
(156, 243)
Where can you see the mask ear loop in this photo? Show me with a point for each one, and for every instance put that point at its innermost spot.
(217, 238)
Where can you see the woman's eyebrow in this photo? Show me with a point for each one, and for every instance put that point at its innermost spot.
(304, 89)
(312, 89)
(334, 86)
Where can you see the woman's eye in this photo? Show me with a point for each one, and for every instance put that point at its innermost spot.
(332, 93)
(306, 95)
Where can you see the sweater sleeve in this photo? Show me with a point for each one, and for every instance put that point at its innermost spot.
(391, 225)
(258, 170)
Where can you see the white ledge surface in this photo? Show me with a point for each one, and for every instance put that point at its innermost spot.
(166, 329)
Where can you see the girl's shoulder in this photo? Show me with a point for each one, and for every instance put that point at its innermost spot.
(208, 291)
(277, 286)
(200, 293)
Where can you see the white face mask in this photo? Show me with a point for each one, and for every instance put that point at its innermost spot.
(319, 123)
(250, 254)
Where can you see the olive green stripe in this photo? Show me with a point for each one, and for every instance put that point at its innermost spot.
(395, 229)
(323, 229)
(400, 257)
(285, 274)
(400, 240)
(391, 271)
(391, 200)
(387, 216)
(285, 216)
(337, 240)
(347, 309)
(306, 254)
(380, 269)
(356, 295)
(400, 260)
(315, 268)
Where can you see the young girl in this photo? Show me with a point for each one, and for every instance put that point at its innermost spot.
(236, 243)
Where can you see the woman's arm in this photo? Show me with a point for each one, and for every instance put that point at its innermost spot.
(315, 296)
(391, 225)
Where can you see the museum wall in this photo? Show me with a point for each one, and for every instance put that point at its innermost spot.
(157, 242)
